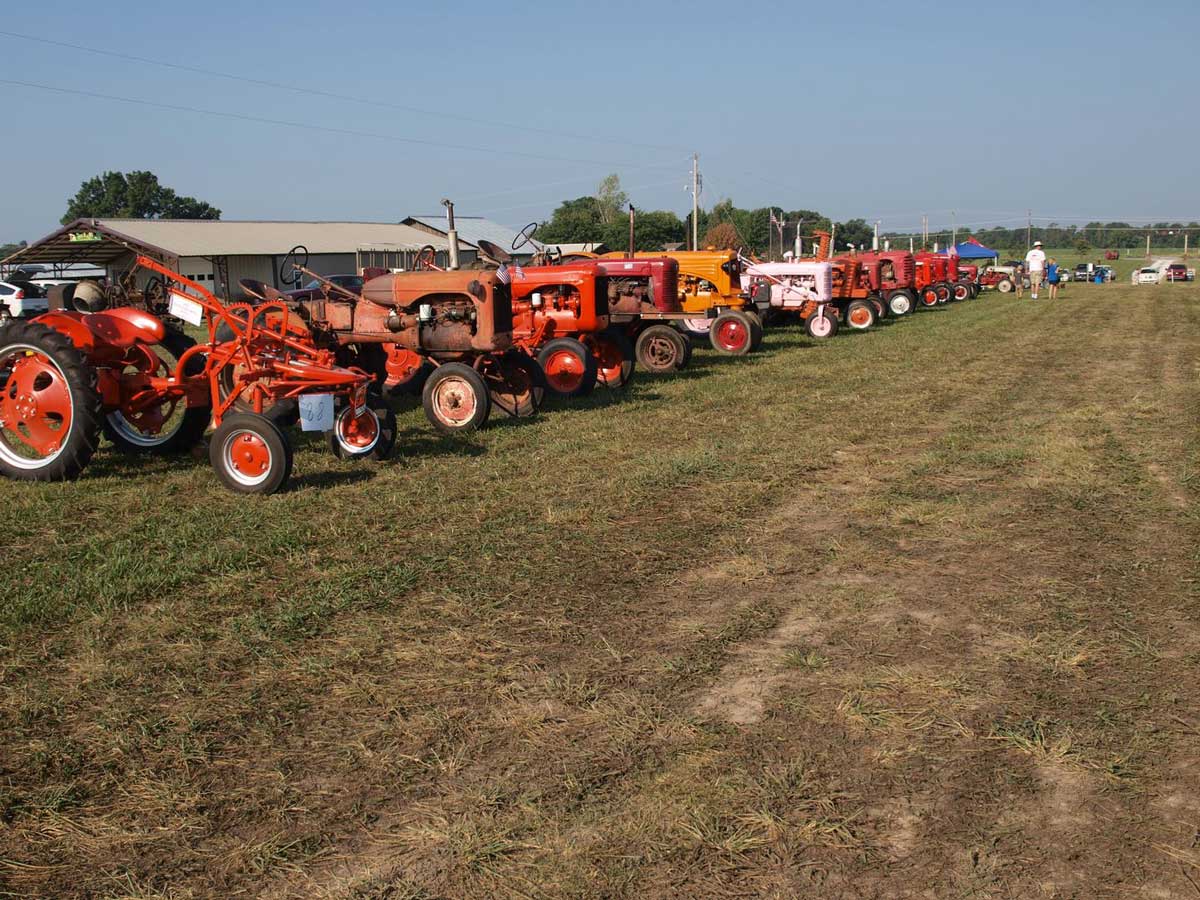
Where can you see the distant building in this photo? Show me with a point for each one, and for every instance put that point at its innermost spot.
(585, 247)
(218, 254)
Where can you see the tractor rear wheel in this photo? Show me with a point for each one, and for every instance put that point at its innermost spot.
(732, 334)
(962, 290)
(371, 435)
(251, 454)
(50, 410)
(614, 357)
(943, 292)
(1004, 286)
(860, 316)
(284, 413)
(661, 349)
(821, 325)
(172, 426)
(929, 297)
(900, 303)
(570, 368)
(456, 399)
(696, 326)
(516, 383)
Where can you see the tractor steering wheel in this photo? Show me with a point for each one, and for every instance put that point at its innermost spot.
(289, 269)
(425, 258)
(525, 237)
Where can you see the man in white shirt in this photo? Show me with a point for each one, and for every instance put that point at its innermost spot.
(1035, 262)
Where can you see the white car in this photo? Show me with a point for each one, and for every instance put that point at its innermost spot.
(1150, 276)
(21, 300)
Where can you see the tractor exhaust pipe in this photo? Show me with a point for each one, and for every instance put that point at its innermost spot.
(631, 244)
(451, 234)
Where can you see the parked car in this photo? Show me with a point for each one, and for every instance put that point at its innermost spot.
(1112, 254)
(1083, 272)
(1149, 276)
(313, 290)
(21, 299)
(1180, 272)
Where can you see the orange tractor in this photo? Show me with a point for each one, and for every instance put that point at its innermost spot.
(450, 332)
(68, 376)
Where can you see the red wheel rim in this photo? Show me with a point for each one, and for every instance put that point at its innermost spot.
(732, 335)
(929, 297)
(454, 401)
(961, 292)
(610, 362)
(860, 317)
(36, 408)
(357, 434)
(564, 370)
(247, 457)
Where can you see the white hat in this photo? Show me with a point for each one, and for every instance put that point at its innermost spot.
(1037, 243)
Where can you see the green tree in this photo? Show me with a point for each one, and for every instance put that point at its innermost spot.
(654, 229)
(856, 232)
(7, 250)
(138, 195)
(611, 201)
(574, 221)
(722, 236)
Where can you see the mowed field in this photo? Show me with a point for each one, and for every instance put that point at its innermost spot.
(907, 613)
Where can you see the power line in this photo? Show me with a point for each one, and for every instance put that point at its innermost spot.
(350, 98)
(326, 128)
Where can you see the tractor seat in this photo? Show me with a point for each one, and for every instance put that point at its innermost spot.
(260, 290)
(125, 327)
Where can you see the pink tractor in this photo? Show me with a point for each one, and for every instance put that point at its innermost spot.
(802, 288)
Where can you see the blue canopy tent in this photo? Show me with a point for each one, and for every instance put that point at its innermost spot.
(972, 249)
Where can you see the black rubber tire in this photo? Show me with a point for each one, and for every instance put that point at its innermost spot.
(86, 409)
(877, 304)
(194, 422)
(660, 350)
(279, 467)
(629, 364)
(727, 317)
(509, 371)
(945, 293)
(756, 328)
(962, 291)
(385, 416)
(587, 382)
(833, 326)
(469, 379)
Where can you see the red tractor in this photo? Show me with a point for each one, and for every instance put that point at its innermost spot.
(968, 276)
(851, 293)
(67, 376)
(643, 301)
(449, 332)
(933, 279)
(892, 276)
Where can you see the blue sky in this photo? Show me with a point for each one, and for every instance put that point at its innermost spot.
(1076, 109)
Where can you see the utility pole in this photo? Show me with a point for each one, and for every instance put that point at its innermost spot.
(1029, 230)
(695, 201)
(1185, 242)
(1147, 245)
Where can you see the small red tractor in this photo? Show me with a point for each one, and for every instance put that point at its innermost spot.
(968, 277)
(67, 376)
(458, 323)
(934, 283)
(891, 275)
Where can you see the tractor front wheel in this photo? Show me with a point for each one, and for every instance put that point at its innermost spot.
(943, 292)
(962, 290)
(614, 357)
(822, 324)
(900, 303)
(570, 368)
(456, 399)
(50, 410)
(168, 425)
(661, 349)
(251, 454)
(860, 316)
(929, 297)
(732, 334)
(516, 383)
(370, 434)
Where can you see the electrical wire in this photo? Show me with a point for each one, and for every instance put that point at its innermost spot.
(317, 92)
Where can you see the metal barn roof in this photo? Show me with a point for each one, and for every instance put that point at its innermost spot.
(102, 241)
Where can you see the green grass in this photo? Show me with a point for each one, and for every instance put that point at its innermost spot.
(838, 617)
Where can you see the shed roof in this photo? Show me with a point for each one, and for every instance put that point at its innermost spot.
(102, 241)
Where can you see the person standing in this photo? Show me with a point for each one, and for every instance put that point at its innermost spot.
(1035, 262)
(1052, 277)
(1019, 280)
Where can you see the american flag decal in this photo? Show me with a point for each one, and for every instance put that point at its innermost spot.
(502, 274)
(517, 270)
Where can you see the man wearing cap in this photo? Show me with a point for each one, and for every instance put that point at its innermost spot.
(1035, 262)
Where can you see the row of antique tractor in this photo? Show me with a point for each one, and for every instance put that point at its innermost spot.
(468, 341)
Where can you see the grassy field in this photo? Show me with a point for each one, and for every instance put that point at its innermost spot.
(912, 612)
